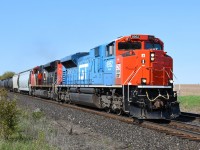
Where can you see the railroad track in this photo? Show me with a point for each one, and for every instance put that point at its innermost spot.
(185, 126)
(192, 116)
(175, 128)
(189, 117)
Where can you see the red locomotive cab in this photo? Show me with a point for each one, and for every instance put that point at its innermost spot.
(39, 78)
(145, 72)
(141, 60)
(36, 76)
(59, 73)
(33, 76)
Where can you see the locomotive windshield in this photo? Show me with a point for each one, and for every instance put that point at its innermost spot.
(129, 45)
(153, 46)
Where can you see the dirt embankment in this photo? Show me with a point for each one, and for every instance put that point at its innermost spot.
(187, 89)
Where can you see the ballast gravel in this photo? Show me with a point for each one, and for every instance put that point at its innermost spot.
(97, 132)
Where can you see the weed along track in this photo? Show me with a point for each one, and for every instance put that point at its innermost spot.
(175, 128)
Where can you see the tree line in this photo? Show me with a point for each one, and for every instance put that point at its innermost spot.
(7, 75)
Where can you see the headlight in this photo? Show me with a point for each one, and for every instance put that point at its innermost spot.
(152, 54)
(152, 58)
(144, 81)
(171, 81)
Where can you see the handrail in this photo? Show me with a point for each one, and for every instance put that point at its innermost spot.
(132, 74)
(173, 74)
(135, 74)
(130, 80)
(159, 95)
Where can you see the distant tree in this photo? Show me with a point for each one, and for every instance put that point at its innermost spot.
(7, 75)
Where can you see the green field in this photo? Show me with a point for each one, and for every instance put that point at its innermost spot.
(190, 103)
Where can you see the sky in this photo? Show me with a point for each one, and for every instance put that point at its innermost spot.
(35, 32)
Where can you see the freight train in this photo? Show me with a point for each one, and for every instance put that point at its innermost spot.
(132, 75)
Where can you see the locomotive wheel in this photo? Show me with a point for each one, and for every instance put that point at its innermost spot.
(108, 110)
(57, 99)
(118, 112)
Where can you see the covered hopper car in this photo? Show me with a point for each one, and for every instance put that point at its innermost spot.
(7, 83)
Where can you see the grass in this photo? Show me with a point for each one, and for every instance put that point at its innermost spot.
(24, 144)
(21, 129)
(190, 103)
(31, 134)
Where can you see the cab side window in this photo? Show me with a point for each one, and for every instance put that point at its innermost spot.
(110, 49)
(129, 45)
(96, 52)
(153, 46)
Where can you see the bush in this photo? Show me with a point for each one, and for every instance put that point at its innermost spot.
(9, 115)
(3, 93)
(37, 114)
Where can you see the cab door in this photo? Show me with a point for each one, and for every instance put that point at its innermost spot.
(109, 65)
(97, 66)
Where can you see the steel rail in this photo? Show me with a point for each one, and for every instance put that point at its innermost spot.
(172, 130)
(185, 126)
(187, 114)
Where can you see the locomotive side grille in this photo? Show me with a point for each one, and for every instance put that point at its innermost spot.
(63, 77)
(56, 77)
